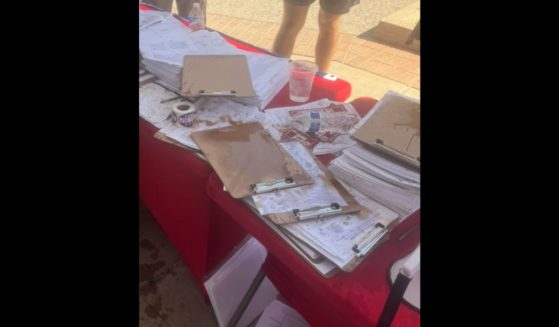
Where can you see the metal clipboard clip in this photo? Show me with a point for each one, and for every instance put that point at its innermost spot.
(218, 93)
(380, 143)
(317, 212)
(272, 186)
(362, 252)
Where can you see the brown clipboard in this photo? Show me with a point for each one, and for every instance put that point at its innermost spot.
(249, 161)
(377, 236)
(306, 252)
(328, 210)
(393, 128)
(216, 75)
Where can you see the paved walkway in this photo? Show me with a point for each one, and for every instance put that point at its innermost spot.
(373, 57)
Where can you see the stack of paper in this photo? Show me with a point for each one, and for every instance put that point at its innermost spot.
(269, 75)
(382, 167)
(148, 18)
(164, 41)
(159, 51)
(385, 163)
(380, 178)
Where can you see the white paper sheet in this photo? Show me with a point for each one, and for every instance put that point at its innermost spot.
(393, 167)
(164, 44)
(151, 108)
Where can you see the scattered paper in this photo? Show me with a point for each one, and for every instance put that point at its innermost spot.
(214, 113)
(322, 125)
(277, 314)
(151, 108)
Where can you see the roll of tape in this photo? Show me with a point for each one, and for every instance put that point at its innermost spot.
(184, 113)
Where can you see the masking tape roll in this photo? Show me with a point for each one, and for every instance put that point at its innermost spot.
(184, 113)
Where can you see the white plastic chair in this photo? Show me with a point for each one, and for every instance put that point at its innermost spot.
(407, 272)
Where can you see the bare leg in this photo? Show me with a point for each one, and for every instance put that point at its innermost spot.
(162, 4)
(328, 36)
(293, 21)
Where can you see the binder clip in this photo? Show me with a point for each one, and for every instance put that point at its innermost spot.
(317, 212)
(272, 186)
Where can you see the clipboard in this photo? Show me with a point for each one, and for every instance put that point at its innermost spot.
(378, 235)
(216, 75)
(323, 211)
(249, 161)
(312, 254)
(393, 128)
(319, 263)
(347, 240)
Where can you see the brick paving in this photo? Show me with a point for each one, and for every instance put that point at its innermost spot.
(376, 58)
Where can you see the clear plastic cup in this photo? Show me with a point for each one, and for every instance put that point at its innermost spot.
(301, 76)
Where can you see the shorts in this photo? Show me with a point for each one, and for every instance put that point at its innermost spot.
(335, 7)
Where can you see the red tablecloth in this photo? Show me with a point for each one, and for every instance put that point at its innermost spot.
(172, 184)
(347, 299)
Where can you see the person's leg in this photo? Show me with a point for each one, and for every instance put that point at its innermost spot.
(294, 16)
(329, 29)
(161, 4)
(184, 6)
(328, 35)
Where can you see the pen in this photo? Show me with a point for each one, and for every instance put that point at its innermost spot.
(171, 99)
(406, 234)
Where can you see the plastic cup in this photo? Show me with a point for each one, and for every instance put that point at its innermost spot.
(301, 76)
